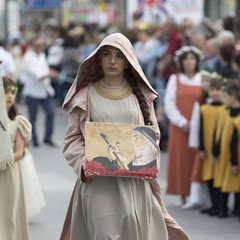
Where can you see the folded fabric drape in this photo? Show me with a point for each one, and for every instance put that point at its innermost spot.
(6, 152)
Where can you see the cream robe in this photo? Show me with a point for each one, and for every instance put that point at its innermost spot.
(76, 103)
(75, 133)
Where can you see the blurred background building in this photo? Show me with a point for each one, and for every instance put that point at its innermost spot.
(13, 13)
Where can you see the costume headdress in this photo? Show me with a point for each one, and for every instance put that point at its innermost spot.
(206, 76)
(186, 49)
(211, 76)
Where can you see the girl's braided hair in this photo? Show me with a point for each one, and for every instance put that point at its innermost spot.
(140, 97)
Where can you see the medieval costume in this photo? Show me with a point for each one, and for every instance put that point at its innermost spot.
(111, 207)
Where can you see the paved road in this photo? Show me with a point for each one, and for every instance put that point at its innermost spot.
(57, 180)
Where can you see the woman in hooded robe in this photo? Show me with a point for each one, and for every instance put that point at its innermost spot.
(111, 87)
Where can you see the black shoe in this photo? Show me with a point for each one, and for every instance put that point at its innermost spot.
(36, 144)
(213, 212)
(222, 214)
(50, 143)
(234, 212)
(207, 210)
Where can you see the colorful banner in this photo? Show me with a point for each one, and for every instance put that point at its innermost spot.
(158, 10)
(152, 10)
(190, 10)
(100, 12)
(44, 4)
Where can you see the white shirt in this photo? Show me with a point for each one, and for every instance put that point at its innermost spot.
(8, 65)
(55, 53)
(170, 105)
(33, 68)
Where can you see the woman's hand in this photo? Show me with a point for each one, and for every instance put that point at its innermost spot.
(234, 170)
(147, 178)
(186, 127)
(19, 147)
(84, 176)
(213, 160)
(201, 155)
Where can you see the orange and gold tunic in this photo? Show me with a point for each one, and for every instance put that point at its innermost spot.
(209, 116)
(231, 183)
(180, 156)
(224, 136)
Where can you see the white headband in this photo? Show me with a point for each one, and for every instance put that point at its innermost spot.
(186, 49)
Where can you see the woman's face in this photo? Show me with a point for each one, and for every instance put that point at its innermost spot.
(139, 141)
(38, 45)
(10, 95)
(189, 63)
(215, 94)
(112, 61)
(235, 67)
(227, 99)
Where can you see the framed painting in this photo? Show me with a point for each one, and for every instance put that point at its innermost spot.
(121, 150)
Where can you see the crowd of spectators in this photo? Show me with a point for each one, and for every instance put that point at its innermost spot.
(155, 46)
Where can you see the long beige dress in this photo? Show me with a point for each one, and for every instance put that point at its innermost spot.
(116, 208)
(13, 218)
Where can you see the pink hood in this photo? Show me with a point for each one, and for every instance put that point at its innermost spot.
(89, 70)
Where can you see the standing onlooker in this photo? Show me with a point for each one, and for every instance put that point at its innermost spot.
(70, 64)
(90, 41)
(166, 65)
(223, 65)
(149, 49)
(226, 37)
(13, 215)
(35, 74)
(198, 39)
(212, 55)
(183, 90)
(55, 54)
(16, 51)
(8, 67)
(164, 68)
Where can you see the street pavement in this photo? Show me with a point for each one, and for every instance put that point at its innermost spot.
(57, 180)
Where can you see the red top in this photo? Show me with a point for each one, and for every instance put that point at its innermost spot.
(175, 42)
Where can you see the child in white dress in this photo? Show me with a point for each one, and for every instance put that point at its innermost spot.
(34, 198)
